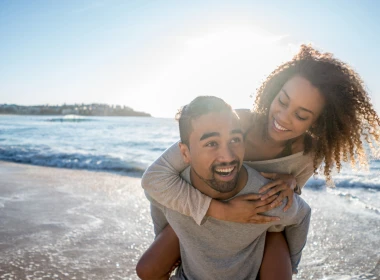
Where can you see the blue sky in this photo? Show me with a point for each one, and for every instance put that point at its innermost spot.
(155, 56)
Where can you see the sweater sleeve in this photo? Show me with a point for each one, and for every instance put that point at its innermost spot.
(162, 181)
(304, 173)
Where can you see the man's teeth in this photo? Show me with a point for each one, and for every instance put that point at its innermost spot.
(279, 126)
(224, 171)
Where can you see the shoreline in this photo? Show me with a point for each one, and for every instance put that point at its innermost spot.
(66, 223)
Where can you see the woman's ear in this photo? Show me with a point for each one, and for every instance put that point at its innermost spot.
(185, 152)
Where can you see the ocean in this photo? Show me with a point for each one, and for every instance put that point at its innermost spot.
(127, 145)
(113, 144)
(346, 218)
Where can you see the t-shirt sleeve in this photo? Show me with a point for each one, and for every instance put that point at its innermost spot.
(162, 181)
(296, 221)
(158, 217)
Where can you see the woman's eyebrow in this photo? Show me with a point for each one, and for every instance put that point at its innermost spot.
(285, 93)
(302, 108)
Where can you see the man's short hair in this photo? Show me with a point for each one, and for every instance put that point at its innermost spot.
(200, 106)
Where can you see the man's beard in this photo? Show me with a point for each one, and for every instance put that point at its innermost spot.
(222, 186)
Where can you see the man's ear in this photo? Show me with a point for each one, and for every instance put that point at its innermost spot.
(185, 152)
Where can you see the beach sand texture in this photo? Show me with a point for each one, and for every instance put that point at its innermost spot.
(71, 224)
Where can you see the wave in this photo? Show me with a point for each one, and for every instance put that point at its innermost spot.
(44, 157)
(70, 118)
(350, 182)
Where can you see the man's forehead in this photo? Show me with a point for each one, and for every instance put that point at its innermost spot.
(216, 122)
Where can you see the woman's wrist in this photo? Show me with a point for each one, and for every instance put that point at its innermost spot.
(216, 209)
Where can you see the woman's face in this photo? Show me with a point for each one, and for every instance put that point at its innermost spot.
(295, 108)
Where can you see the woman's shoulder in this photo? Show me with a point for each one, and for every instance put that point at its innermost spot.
(295, 157)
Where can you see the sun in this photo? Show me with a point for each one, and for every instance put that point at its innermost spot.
(229, 63)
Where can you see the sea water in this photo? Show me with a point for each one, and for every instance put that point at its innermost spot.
(345, 218)
(128, 145)
(112, 144)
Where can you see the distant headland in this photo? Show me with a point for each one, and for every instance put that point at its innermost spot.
(76, 109)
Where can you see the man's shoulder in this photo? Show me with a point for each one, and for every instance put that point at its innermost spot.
(255, 180)
(254, 175)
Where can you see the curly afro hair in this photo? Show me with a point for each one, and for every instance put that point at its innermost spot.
(348, 116)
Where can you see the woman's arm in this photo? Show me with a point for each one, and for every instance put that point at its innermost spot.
(162, 181)
(164, 184)
(287, 184)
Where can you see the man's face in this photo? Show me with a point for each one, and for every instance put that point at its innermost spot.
(216, 151)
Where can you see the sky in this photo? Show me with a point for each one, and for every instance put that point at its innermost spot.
(156, 56)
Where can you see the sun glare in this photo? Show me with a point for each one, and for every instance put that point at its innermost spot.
(229, 63)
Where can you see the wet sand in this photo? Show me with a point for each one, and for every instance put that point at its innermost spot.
(71, 224)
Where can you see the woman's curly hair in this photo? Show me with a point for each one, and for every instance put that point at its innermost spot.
(348, 114)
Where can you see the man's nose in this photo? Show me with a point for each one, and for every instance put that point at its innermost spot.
(226, 154)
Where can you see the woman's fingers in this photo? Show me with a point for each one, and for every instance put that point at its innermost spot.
(257, 204)
(250, 196)
(274, 190)
(268, 175)
(289, 203)
(270, 185)
(267, 207)
(260, 219)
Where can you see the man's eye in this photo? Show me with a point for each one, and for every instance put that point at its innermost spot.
(236, 140)
(211, 144)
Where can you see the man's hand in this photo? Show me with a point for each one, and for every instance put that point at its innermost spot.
(244, 209)
(283, 185)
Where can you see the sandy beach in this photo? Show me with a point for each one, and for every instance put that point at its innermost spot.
(72, 224)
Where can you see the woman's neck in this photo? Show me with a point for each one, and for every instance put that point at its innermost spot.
(259, 146)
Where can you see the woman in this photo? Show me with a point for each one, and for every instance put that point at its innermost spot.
(309, 110)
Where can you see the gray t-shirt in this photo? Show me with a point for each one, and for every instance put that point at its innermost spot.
(226, 250)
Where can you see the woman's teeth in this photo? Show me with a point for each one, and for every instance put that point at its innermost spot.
(279, 127)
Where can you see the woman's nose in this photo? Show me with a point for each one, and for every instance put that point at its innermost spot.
(283, 116)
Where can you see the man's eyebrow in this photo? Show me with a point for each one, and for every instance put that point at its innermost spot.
(208, 135)
(307, 110)
(237, 131)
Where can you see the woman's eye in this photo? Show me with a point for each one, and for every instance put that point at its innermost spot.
(300, 118)
(281, 102)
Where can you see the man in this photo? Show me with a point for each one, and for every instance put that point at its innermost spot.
(212, 143)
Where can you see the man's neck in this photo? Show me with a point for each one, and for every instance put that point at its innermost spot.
(207, 190)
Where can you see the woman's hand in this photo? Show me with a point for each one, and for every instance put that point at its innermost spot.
(283, 185)
(244, 209)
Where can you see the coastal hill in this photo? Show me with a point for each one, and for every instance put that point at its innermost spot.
(76, 109)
